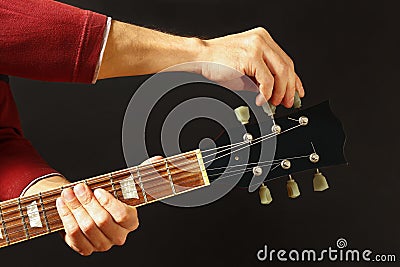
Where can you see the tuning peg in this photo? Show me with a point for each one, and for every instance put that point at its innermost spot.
(243, 114)
(265, 195)
(269, 108)
(319, 182)
(297, 100)
(292, 188)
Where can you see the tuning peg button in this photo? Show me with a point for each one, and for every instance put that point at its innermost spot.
(243, 114)
(314, 157)
(247, 137)
(286, 164)
(292, 188)
(269, 108)
(276, 129)
(319, 182)
(265, 195)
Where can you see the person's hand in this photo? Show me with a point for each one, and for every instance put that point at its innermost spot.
(95, 221)
(255, 54)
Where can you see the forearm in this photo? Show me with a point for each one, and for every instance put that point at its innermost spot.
(133, 50)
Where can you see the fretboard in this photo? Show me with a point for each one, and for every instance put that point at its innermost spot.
(28, 217)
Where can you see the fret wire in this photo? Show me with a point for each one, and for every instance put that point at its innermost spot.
(46, 202)
(17, 226)
(3, 223)
(51, 208)
(23, 218)
(101, 178)
(141, 185)
(113, 186)
(120, 187)
(170, 177)
(44, 213)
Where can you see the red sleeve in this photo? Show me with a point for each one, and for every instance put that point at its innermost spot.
(48, 40)
(20, 164)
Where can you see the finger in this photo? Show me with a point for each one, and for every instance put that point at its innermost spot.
(100, 216)
(124, 215)
(288, 99)
(280, 70)
(74, 236)
(299, 86)
(88, 227)
(265, 79)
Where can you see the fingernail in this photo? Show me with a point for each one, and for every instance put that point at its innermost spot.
(68, 194)
(60, 203)
(99, 194)
(260, 99)
(79, 189)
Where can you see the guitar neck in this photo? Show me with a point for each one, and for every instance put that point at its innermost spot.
(28, 217)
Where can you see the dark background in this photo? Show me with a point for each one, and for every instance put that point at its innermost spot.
(345, 51)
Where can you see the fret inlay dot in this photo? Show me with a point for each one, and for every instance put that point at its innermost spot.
(33, 215)
(128, 188)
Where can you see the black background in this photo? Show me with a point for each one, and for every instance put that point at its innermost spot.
(343, 50)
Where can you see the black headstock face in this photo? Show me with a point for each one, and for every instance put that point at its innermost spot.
(316, 144)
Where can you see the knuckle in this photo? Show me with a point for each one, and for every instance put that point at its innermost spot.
(283, 68)
(106, 200)
(256, 40)
(86, 198)
(123, 217)
(73, 231)
(84, 252)
(103, 220)
(87, 226)
(262, 31)
(134, 225)
(120, 240)
(291, 63)
(103, 247)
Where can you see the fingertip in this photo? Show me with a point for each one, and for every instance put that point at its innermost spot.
(302, 92)
(299, 87)
(60, 203)
(260, 99)
(100, 194)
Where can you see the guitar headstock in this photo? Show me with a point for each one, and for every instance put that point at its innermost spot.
(311, 138)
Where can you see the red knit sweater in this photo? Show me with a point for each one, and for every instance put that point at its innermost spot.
(43, 40)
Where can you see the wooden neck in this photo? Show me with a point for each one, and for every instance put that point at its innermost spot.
(27, 217)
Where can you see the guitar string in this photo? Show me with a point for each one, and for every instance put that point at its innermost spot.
(162, 162)
(238, 144)
(248, 169)
(251, 144)
(248, 144)
(49, 211)
(162, 176)
(242, 142)
(125, 171)
(94, 180)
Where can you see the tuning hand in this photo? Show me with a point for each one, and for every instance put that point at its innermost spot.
(257, 55)
(253, 53)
